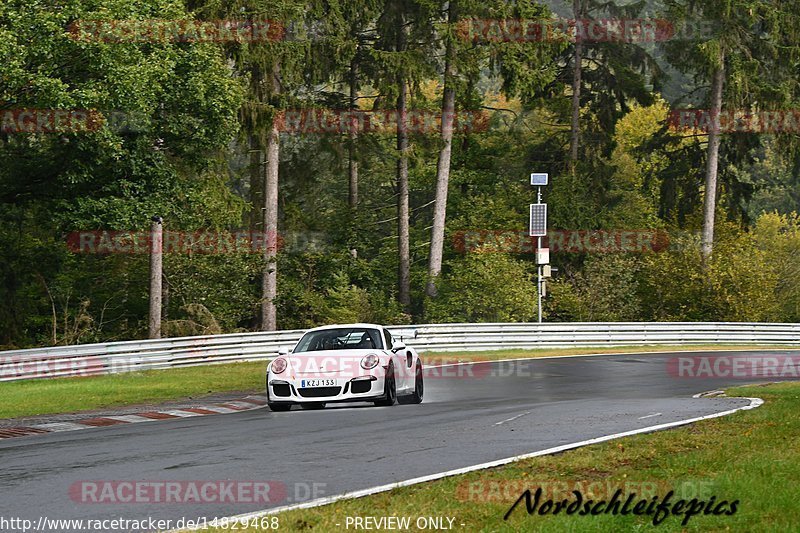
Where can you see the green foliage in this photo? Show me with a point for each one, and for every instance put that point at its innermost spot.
(751, 277)
(179, 106)
(636, 183)
(740, 282)
(316, 289)
(484, 287)
(191, 152)
(777, 238)
(605, 290)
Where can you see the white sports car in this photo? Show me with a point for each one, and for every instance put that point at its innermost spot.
(345, 363)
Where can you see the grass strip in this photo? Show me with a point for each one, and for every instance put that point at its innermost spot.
(74, 394)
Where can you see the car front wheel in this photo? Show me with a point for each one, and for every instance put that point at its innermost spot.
(390, 394)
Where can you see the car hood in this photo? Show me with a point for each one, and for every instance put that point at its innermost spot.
(330, 363)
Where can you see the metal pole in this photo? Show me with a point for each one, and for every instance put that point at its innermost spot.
(539, 267)
(539, 281)
(156, 257)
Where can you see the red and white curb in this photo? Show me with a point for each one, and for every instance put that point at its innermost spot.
(245, 404)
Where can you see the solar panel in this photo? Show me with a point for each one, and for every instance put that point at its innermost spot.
(539, 179)
(538, 226)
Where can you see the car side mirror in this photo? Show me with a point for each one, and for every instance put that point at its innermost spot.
(400, 345)
(283, 350)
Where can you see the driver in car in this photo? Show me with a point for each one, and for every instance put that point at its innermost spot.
(366, 342)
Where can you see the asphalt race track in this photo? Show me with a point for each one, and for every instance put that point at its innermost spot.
(500, 410)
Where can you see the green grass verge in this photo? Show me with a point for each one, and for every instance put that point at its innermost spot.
(69, 395)
(751, 456)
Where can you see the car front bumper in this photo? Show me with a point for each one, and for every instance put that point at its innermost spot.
(295, 390)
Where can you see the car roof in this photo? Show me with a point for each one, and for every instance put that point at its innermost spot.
(337, 326)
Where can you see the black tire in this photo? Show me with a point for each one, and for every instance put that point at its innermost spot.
(419, 388)
(313, 406)
(389, 385)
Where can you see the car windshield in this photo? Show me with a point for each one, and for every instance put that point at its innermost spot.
(340, 339)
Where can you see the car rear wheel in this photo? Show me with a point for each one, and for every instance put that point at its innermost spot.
(279, 407)
(390, 394)
(419, 388)
(312, 406)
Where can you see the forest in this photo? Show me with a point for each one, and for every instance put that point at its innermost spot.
(331, 161)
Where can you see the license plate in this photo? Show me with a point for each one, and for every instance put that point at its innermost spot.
(305, 383)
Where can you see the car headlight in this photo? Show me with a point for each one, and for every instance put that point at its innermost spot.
(278, 365)
(369, 361)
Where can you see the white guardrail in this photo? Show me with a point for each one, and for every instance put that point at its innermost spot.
(128, 356)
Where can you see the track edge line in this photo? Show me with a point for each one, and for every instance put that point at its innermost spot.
(754, 402)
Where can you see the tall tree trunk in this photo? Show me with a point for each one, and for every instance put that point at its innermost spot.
(577, 9)
(403, 239)
(156, 273)
(256, 149)
(351, 148)
(269, 278)
(403, 245)
(443, 165)
(256, 183)
(712, 158)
